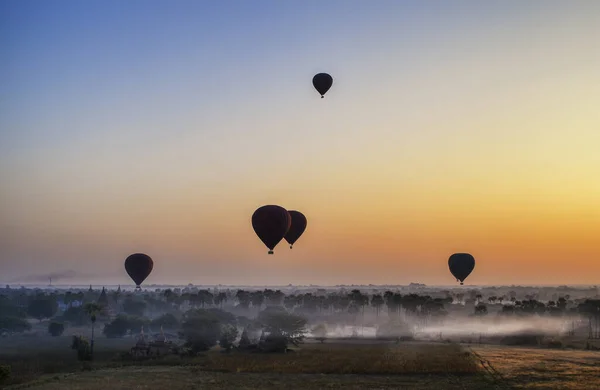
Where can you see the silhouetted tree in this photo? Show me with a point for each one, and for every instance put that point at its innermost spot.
(42, 307)
(377, 301)
(92, 309)
(56, 329)
(481, 310)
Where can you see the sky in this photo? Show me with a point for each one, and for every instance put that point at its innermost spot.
(160, 126)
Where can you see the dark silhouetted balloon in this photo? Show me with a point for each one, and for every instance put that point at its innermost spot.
(461, 265)
(271, 223)
(322, 82)
(297, 228)
(138, 266)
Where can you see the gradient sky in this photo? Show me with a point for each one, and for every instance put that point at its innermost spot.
(160, 126)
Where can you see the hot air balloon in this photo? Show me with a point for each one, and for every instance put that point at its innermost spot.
(138, 266)
(271, 223)
(297, 228)
(461, 265)
(322, 82)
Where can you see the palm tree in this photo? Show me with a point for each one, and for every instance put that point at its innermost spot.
(92, 309)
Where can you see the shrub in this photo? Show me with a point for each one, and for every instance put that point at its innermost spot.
(82, 346)
(4, 373)
(274, 342)
(522, 339)
(56, 329)
(554, 344)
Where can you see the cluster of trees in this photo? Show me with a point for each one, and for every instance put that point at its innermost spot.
(125, 313)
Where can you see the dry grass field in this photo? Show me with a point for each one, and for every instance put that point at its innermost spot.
(348, 365)
(537, 368)
(339, 365)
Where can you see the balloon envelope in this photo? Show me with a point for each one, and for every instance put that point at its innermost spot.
(322, 82)
(461, 265)
(297, 228)
(138, 266)
(271, 223)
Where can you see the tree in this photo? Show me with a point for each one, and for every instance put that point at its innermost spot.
(481, 310)
(229, 334)
(117, 327)
(42, 307)
(56, 329)
(76, 315)
(377, 301)
(166, 321)
(205, 297)
(13, 324)
(257, 298)
(134, 307)
(82, 346)
(9, 309)
(280, 324)
(243, 298)
(244, 340)
(92, 309)
(220, 298)
(201, 329)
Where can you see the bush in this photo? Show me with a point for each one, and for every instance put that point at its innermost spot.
(554, 344)
(82, 346)
(56, 329)
(4, 373)
(274, 342)
(522, 339)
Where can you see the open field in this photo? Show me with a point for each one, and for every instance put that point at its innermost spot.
(177, 378)
(537, 368)
(49, 364)
(381, 365)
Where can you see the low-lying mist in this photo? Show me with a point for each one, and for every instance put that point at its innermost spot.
(455, 328)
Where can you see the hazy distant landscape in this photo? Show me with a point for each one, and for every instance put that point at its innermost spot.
(414, 335)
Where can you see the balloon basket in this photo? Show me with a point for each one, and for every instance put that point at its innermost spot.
(461, 283)
(290, 247)
(270, 252)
